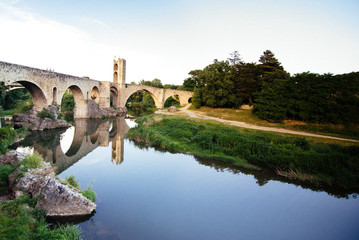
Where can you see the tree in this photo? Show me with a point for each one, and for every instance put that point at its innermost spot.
(235, 58)
(3, 89)
(271, 68)
(218, 84)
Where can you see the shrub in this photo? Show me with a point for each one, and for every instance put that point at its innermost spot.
(72, 182)
(89, 193)
(45, 113)
(32, 161)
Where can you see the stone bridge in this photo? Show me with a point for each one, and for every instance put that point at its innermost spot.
(47, 88)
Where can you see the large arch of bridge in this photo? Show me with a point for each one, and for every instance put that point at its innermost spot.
(38, 95)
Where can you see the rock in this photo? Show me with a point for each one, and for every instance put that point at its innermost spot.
(12, 157)
(35, 123)
(94, 111)
(56, 199)
(172, 109)
(246, 107)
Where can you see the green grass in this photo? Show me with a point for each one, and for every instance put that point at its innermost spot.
(72, 182)
(7, 112)
(88, 192)
(19, 219)
(329, 164)
(31, 161)
(350, 131)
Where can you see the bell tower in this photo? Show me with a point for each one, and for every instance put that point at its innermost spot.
(119, 71)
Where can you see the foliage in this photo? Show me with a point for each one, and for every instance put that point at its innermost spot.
(5, 171)
(7, 137)
(67, 102)
(89, 193)
(23, 106)
(172, 101)
(233, 83)
(19, 219)
(154, 83)
(14, 97)
(31, 161)
(3, 89)
(72, 182)
(45, 113)
(311, 98)
(140, 103)
(331, 164)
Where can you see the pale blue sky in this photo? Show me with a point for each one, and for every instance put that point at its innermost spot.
(167, 39)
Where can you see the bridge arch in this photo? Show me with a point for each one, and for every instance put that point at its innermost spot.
(115, 99)
(80, 109)
(38, 95)
(141, 88)
(95, 94)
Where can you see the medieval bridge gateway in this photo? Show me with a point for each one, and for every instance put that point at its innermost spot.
(48, 88)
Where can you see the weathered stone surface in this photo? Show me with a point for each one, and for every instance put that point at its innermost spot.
(94, 111)
(35, 123)
(172, 109)
(56, 199)
(12, 157)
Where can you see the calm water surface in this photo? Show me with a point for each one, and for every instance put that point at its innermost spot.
(147, 194)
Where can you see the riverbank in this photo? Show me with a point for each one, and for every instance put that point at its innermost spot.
(322, 133)
(30, 193)
(292, 157)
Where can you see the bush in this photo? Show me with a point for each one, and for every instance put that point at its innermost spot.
(72, 182)
(5, 171)
(32, 161)
(45, 113)
(89, 193)
(333, 164)
(7, 137)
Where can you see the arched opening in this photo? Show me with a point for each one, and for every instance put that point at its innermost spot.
(140, 103)
(115, 67)
(38, 96)
(115, 77)
(73, 102)
(95, 95)
(54, 96)
(113, 97)
(172, 101)
(94, 137)
(190, 100)
(17, 100)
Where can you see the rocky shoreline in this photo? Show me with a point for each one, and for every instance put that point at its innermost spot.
(56, 198)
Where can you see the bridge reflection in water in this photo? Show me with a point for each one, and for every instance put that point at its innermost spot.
(88, 134)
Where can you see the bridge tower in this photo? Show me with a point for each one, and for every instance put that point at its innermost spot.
(119, 77)
(119, 71)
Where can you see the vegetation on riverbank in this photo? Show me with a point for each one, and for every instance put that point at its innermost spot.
(339, 130)
(328, 164)
(19, 219)
(8, 135)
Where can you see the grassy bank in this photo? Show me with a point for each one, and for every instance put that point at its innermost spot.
(293, 157)
(342, 131)
(19, 219)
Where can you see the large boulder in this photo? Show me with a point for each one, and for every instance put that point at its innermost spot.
(94, 111)
(172, 109)
(56, 199)
(35, 123)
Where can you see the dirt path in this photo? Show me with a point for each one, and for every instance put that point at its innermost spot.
(185, 111)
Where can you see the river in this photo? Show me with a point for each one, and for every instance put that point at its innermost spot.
(143, 193)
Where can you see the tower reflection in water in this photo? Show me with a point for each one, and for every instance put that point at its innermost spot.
(64, 147)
